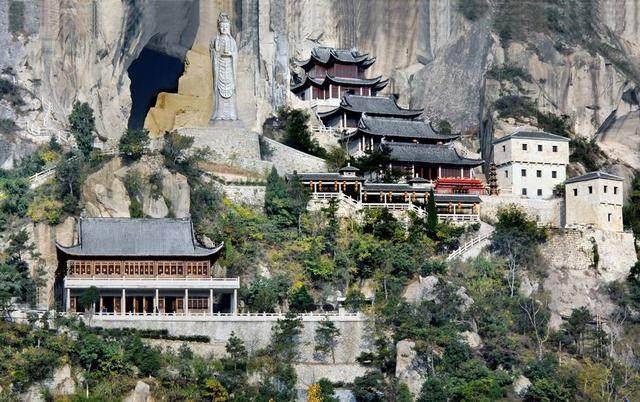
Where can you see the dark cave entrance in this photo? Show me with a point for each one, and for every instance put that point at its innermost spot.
(151, 73)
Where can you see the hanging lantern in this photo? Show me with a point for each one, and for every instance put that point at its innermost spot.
(320, 185)
(406, 196)
(311, 185)
(450, 207)
(390, 196)
(335, 185)
(344, 185)
(365, 196)
(413, 196)
(459, 205)
(473, 208)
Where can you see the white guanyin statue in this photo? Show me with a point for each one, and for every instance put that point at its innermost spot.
(224, 55)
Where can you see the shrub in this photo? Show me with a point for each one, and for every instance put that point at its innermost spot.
(296, 131)
(473, 9)
(586, 152)
(10, 92)
(155, 180)
(355, 300)
(514, 106)
(300, 300)
(8, 126)
(132, 144)
(45, 209)
(16, 16)
(509, 73)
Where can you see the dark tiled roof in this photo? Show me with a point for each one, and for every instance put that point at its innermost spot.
(376, 82)
(401, 188)
(593, 176)
(468, 198)
(429, 153)
(373, 105)
(348, 168)
(324, 55)
(137, 237)
(396, 127)
(326, 176)
(533, 135)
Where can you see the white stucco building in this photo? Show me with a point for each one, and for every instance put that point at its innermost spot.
(530, 164)
(594, 199)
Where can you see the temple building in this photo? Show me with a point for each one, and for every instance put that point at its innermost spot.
(352, 107)
(331, 73)
(349, 187)
(144, 266)
(594, 199)
(530, 163)
(433, 162)
(372, 131)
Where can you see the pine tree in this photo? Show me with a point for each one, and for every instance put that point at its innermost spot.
(82, 125)
(432, 213)
(326, 339)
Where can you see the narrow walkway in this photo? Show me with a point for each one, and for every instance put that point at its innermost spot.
(473, 247)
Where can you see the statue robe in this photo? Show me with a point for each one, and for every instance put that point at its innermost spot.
(224, 55)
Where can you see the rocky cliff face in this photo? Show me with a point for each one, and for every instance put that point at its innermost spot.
(437, 58)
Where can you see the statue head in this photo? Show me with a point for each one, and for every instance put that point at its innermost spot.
(224, 25)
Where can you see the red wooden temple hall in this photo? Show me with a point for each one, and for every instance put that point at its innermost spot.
(144, 266)
(331, 73)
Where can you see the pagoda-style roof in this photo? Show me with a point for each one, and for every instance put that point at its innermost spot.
(127, 237)
(594, 176)
(428, 153)
(373, 106)
(397, 127)
(328, 177)
(532, 135)
(328, 56)
(376, 83)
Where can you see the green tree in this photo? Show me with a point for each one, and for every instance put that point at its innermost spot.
(577, 326)
(174, 150)
(296, 131)
(284, 202)
(516, 238)
(326, 339)
(285, 337)
(70, 176)
(133, 143)
(82, 126)
(89, 298)
(432, 214)
(370, 387)
(237, 351)
(300, 301)
(355, 300)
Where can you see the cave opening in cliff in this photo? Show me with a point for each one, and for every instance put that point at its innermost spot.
(151, 73)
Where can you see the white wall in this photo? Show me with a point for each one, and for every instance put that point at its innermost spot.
(598, 208)
(511, 159)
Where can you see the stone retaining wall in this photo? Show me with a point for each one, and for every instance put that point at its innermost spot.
(286, 159)
(255, 331)
(547, 212)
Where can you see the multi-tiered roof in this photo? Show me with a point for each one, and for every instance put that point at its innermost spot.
(352, 107)
(331, 73)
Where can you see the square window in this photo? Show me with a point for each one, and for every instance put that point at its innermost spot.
(590, 189)
(539, 148)
(538, 173)
(539, 192)
(605, 189)
(575, 192)
(555, 148)
(554, 174)
(524, 172)
(524, 191)
(524, 147)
